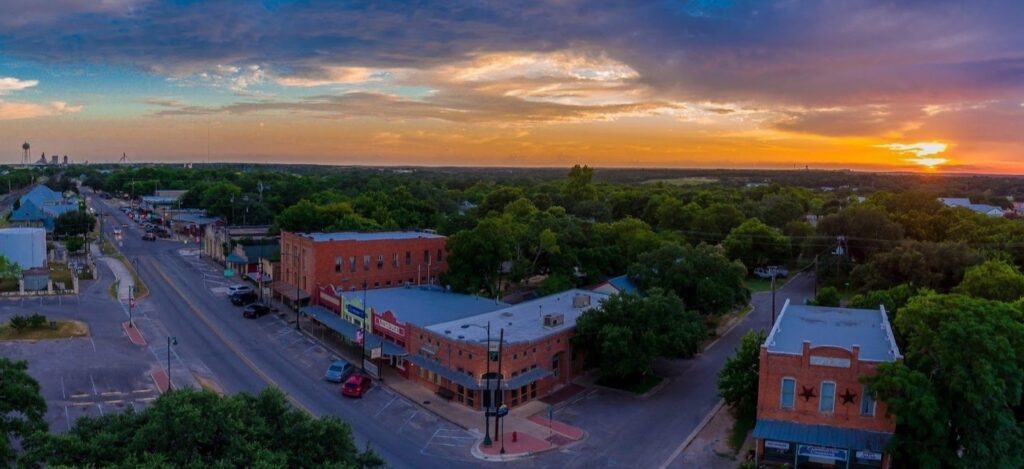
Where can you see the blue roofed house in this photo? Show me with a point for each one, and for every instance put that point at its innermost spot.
(812, 409)
(962, 202)
(616, 285)
(41, 206)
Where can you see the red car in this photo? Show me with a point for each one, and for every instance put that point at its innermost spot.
(356, 385)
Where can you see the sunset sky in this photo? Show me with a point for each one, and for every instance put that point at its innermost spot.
(925, 85)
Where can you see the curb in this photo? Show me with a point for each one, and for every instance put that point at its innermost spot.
(142, 339)
(689, 439)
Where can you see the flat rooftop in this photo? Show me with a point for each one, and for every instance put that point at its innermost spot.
(523, 322)
(369, 236)
(425, 305)
(838, 327)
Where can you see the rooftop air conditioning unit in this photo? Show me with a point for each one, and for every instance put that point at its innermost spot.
(554, 320)
(581, 301)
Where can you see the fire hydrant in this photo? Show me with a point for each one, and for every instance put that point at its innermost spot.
(515, 436)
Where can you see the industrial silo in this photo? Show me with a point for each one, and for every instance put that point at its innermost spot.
(26, 246)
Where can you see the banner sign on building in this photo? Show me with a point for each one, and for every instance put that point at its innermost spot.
(782, 445)
(866, 455)
(388, 324)
(355, 307)
(821, 452)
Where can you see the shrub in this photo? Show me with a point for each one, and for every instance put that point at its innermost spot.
(19, 322)
(36, 321)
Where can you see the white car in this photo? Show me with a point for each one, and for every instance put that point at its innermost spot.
(238, 289)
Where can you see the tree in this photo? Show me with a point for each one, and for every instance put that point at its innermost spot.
(827, 296)
(626, 333)
(22, 408)
(74, 223)
(737, 380)
(74, 244)
(9, 269)
(222, 199)
(475, 256)
(190, 428)
(755, 244)
(779, 209)
(993, 280)
(707, 281)
(867, 230)
(922, 264)
(714, 222)
(957, 394)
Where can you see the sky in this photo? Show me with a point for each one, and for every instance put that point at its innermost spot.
(934, 85)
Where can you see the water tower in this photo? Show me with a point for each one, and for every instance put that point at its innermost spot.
(24, 153)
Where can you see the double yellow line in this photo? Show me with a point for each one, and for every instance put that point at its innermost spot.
(199, 313)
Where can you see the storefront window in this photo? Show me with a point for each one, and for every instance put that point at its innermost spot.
(778, 451)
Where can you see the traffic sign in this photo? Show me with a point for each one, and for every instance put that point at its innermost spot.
(502, 411)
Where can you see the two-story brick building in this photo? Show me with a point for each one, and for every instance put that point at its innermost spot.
(535, 357)
(812, 409)
(354, 260)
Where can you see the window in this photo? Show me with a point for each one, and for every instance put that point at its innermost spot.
(867, 403)
(366, 262)
(788, 393)
(426, 256)
(827, 401)
(380, 261)
(352, 263)
(439, 255)
(394, 260)
(337, 264)
(408, 257)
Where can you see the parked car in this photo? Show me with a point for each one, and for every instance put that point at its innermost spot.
(339, 371)
(239, 288)
(356, 385)
(149, 237)
(255, 310)
(241, 299)
(117, 232)
(767, 272)
(163, 233)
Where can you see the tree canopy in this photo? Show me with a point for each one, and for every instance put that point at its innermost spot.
(707, 281)
(738, 379)
(74, 223)
(22, 408)
(993, 280)
(755, 244)
(190, 428)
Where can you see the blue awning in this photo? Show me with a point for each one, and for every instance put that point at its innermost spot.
(444, 372)
(822, 435)
(348, 330)
(236, 259)
(535, 374)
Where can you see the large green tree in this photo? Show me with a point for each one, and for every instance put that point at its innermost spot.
(9, 269)
(956, 396)
(74, 223)
(22, 408)
(755, 244)
(705, 279)
(866, 230)
(737, 380)
(190, 428)
(476, 256)
(993, 280)
(627, 333)
(922, 264)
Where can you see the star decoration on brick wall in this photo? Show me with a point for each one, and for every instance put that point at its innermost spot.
(807, 393)
(848, 397)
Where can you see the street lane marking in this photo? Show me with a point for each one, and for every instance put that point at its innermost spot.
(216, 331)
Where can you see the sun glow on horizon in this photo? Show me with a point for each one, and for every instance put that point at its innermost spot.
(920, 153)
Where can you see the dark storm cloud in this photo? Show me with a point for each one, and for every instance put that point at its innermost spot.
(810, 53)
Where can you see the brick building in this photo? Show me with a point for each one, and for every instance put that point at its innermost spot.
(536, 356)
(812, 409)
(348, 259)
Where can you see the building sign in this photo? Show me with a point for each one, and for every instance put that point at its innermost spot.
(779, 445)
(865, 455)
(387, 324)
(821, 452)
(355, 308)
(329, 298)
(830, 361)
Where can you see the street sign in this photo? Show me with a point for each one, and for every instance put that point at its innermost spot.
(502, 411)
(376, 352)
(371, 369)
(229, 272)
(551, 412)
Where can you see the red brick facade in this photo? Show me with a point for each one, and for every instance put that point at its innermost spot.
(346, 264)
(552, 353)
(808, 378)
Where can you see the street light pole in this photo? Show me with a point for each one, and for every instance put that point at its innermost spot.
(362, 327)
(487, 358)
(298, 303)
(499, 395)
(131, 305)
(171, 340)
(773, 272)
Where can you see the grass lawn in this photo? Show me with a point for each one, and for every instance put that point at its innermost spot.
(64, 330)
(9, 284)
(635, 386)
(60, 273)
(107, 248)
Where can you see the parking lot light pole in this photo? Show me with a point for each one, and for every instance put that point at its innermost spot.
(498, 392)
(131, 305)
(171, 340)
(487, 381)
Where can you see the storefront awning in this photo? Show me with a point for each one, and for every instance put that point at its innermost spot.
(236, 259)
(288, 290)
(444, 372)
(349, 330)
(535, 374)
(821, 435)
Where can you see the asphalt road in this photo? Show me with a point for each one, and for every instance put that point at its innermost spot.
(211, 333)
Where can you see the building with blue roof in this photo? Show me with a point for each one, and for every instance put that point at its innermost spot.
(41, 206)
(812, 409)
(617, 285)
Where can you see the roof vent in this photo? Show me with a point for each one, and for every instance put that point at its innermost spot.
(580, 301)
(448, 332)
(554, 320)
(506, 314)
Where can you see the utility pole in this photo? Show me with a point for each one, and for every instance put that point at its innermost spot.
(773, 272)
(131, 305)
(487, 391)
(498, 394)
(298, 303)
(815, 275)
(362, 328)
